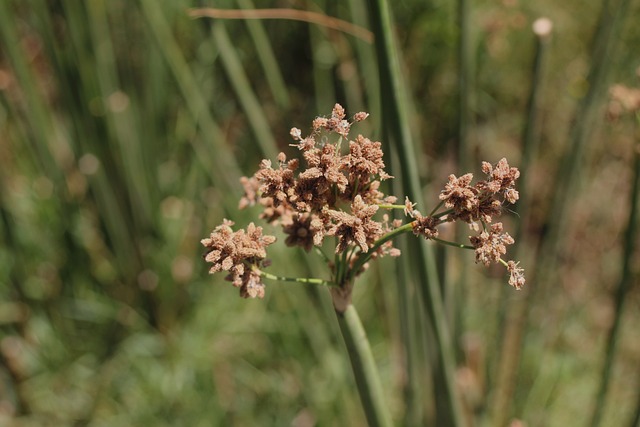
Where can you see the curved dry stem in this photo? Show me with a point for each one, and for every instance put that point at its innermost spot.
(290, 14)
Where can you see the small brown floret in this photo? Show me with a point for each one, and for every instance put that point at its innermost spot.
(299, 231)
(491, 245)
(331, 164)
(459, 195)
(357, 228)
(358, 117)
(277, 183)
(511, 195)
(487, 210)
(501, 177)
(236, 252)
(364, 159)
(336, 123)
(516, 277)
(296, 134)
(251, 186)
(409, 208)
(252, 286)
(425, 226)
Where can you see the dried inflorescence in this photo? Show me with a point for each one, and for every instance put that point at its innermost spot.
(482, 201)
(309, 202)
(309, 205)
(473, 204)
(425, 226)
(240, 253)
(334, 194)
(491, 245)
(516, 274)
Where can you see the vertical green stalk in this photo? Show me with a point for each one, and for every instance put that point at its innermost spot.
(464, 76)
(454, 290)
(625, 284)
(570, 173)
(121, 128)
(223, 166)
(324, 60)
(364, 368)
(38, 115)
(267, 58)
(609, 29)
(397, 126)
(513, 309)
(366, 59)
(242, 87)
(635, 422)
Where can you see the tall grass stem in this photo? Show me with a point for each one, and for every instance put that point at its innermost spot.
(512, 312)
(248, 99)
(397, 127)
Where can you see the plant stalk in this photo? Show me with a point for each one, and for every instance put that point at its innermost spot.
(396, 122)
(624, 286)
(364, 368)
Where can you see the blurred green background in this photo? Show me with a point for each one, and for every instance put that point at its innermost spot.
(125, 126)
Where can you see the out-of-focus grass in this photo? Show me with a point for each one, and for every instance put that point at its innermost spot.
(124, 127)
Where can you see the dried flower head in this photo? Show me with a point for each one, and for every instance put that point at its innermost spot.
(364, 160)
(358, 117)
(502, 177)
(357, 227)
(491, 245)
(299, 230)
(425, 226)
(516, 274)
(409, 208)
(308, 198)
(251, 186)
(459, 195)
(238, 252)
(277, 183)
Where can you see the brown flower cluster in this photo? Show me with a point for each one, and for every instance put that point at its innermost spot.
(481, 202)
(241, 253)
(334, 191)
(491, 245)
(335, 194)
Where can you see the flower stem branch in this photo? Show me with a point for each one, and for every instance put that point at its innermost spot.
(454, 244)
(438, 206)
(388, 206)
(310, 280)
(443, 213)
(322, 254)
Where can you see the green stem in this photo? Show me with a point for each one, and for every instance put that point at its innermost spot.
(624, 286)
(454, 244)
(364, 368)
(438, 206)
(443, 213)
(322, 254)
(384, 206)
(311, 280)
(242, 86)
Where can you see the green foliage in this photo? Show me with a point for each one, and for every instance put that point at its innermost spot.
(124, 128)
